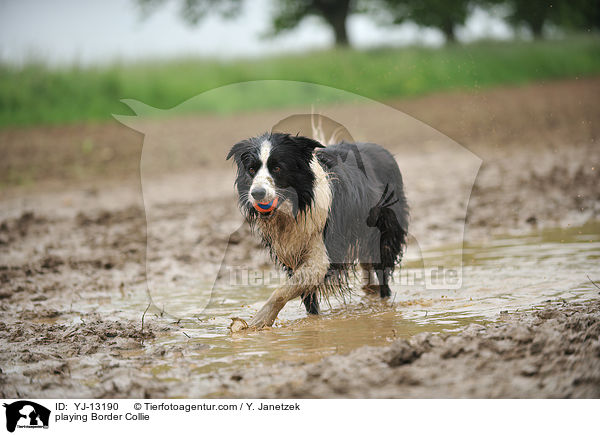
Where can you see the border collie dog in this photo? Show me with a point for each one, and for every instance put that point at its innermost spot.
(321, 211)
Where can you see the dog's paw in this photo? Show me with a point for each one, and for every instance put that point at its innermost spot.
(238, 324)
(371, 289)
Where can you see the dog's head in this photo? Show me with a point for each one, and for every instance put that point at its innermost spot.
(273, 169)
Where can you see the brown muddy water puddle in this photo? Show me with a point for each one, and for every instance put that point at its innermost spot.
(508, 273)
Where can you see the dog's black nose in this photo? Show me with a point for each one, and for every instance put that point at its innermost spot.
(258, 193)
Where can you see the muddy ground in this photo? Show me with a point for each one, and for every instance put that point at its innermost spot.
(551, 352)
(73, 240)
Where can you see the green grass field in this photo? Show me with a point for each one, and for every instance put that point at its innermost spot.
(37, 94)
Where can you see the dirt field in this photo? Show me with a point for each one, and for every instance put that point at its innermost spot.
(73, 242)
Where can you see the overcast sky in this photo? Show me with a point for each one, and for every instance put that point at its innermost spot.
(92, 32)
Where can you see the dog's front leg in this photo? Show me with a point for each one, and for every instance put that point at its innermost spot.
(268, 313)
(305, 279)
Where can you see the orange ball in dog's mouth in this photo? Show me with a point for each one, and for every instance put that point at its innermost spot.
(266, 207)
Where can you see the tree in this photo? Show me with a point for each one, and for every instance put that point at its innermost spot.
(577, 14)
(441, 14)
(533, 14)
(287, 15)
(192, 11)
(290, 13)
(566, 14)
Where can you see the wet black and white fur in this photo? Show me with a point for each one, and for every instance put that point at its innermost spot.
(339, 206)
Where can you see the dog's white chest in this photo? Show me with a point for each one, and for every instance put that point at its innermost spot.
(288, 241)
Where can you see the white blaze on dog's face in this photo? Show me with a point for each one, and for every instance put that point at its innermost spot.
(263, 187)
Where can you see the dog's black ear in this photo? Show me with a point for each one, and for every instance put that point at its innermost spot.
(237, 149)
(307, 143)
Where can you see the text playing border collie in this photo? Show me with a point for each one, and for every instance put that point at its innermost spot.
(321, 211)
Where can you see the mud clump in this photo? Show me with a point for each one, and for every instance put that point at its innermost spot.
(402, 352)
(107, 218)
(14, 229)
(82, 359)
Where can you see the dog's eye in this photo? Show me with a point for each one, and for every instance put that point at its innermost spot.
(276, 169)
(252, 171)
